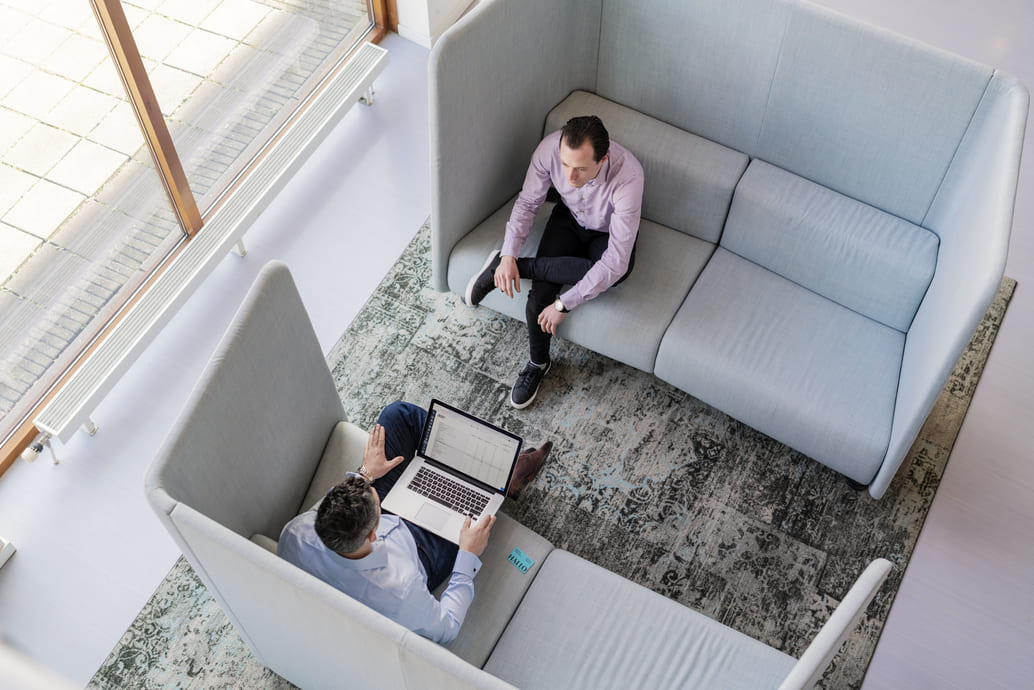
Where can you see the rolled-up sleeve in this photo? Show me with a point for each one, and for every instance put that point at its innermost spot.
(536, 184)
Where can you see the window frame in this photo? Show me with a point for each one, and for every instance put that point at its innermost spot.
(126, 57)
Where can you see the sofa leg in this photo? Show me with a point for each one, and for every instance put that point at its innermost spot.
(857, 486)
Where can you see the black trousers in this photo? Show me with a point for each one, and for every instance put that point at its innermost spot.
(566, 253)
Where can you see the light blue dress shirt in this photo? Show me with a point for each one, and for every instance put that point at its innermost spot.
(390, 579)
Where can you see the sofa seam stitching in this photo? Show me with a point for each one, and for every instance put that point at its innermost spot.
(958, 147)
(771, 81)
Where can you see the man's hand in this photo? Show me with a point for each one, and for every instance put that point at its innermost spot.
(550, 318)
(475, 539)
(374, 458)
(507, 277)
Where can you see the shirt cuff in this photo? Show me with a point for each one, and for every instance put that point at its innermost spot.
(510, 248)
(466, 563)
(571, 299)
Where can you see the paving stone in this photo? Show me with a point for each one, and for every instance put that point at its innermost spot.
(43, 208)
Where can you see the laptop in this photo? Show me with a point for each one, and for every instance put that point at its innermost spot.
(462, 467)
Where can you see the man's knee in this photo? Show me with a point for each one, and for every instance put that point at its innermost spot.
(400, 411)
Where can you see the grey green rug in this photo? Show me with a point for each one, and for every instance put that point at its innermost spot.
(644, 480)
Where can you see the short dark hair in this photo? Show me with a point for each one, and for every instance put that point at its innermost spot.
(590, 127)
(347, 515)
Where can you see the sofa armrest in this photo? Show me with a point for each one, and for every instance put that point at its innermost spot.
(972, 215)
(831, 636)
(494, 76)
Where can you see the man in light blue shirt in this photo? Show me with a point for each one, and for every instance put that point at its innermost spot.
(381, 560)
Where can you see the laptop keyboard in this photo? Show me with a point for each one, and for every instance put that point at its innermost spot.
(451, 494)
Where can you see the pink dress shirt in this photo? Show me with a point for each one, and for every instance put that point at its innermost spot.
(611, 203)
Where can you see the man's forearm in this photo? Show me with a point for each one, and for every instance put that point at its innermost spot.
(458, 596)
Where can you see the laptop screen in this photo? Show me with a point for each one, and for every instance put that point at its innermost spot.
(469, 445)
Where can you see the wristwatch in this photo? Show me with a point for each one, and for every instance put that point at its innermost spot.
(365, 473)
(559, 306)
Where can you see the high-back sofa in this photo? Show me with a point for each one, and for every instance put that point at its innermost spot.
(263, 437)
(826, 213)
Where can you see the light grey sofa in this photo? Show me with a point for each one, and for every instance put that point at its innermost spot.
(827, 206)
(263, 437)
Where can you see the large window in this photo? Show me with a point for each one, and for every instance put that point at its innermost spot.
(85, 212)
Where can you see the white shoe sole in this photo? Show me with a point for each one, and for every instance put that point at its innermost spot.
(470, 283)
(535, 395)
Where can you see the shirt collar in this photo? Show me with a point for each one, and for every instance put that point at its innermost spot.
(604, 174)
(378, 557)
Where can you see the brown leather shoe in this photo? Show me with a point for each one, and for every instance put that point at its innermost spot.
(528, 464)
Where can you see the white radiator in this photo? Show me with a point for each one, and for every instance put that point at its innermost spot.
(70, 409)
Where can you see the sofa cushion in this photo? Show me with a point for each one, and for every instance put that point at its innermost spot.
(853, 254)
(581, 626)
(790, 363)
(627, 321)
(343, 453)
(689, 179)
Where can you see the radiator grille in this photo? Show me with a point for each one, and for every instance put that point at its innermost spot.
(84, 390)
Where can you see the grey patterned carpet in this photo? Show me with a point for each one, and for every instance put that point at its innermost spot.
(644, 480)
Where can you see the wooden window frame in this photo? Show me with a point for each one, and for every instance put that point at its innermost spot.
(122, 46)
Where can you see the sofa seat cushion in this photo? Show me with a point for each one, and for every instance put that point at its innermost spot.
(581, 626)
(498, 588)
(787, 362)
(689, 179)
(627, 321)
(858, 256)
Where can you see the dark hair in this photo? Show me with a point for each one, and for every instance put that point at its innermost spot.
(347, 515)
(590, 127)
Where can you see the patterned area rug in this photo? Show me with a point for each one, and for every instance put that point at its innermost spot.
(644, 480)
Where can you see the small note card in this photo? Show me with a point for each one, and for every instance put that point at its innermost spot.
(520, 560)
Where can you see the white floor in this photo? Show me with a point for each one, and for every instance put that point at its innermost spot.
(90, 551)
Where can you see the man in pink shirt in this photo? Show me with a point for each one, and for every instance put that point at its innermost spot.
(588, 243)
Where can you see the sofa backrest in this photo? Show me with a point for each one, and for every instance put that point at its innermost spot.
(799, 230)
(869, 114)
(524, 57)
(244, 449)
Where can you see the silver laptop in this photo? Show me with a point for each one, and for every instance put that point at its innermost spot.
(462, 467)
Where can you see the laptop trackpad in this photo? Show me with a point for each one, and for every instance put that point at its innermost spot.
(434, 518)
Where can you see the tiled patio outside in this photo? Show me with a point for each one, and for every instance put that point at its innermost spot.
(83, 217)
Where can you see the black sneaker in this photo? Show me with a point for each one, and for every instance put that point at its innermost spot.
(483, 281)
(527, 386)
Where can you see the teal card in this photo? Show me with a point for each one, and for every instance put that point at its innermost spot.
(520, 560)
